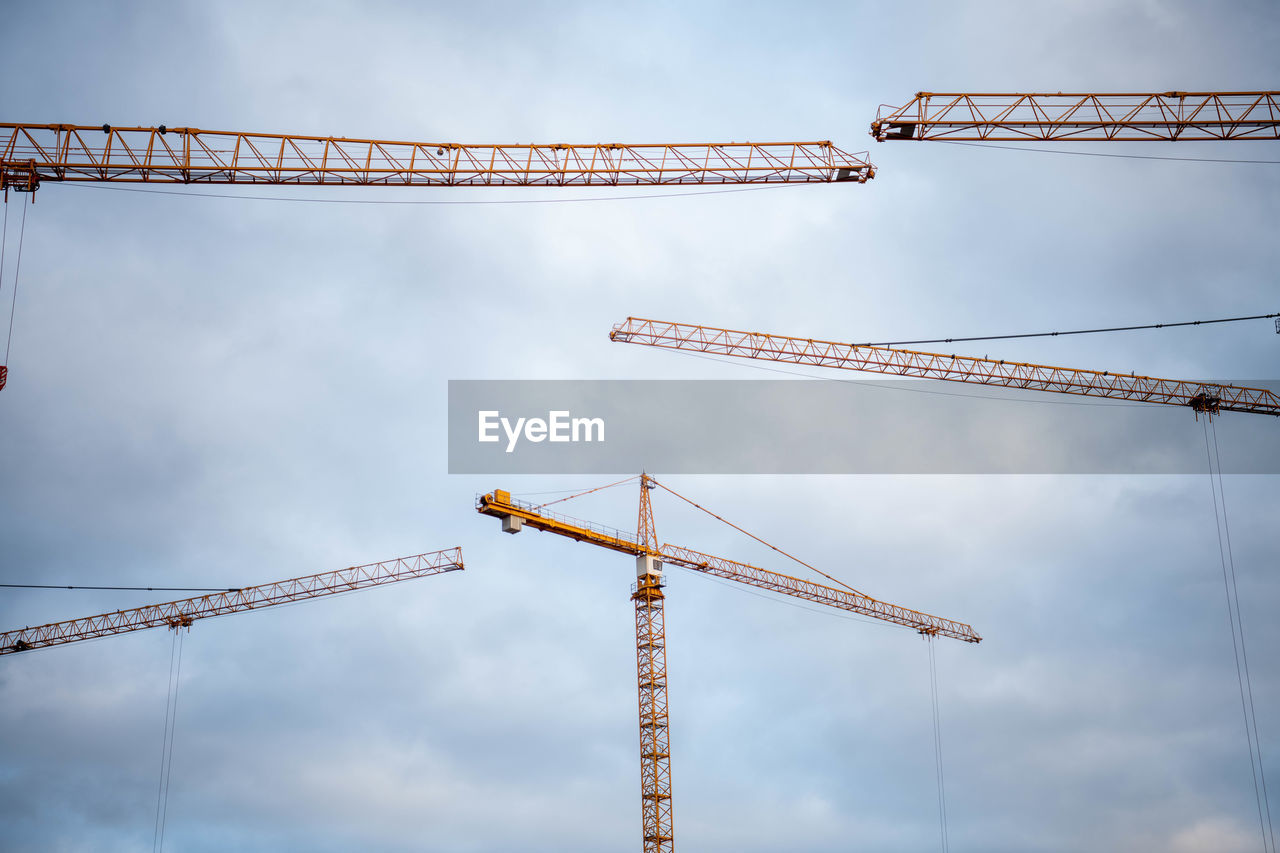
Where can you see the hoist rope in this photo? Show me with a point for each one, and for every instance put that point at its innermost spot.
(1072, 331)
(761, 541)
(884, 385)
(588, 491)
(124, 588)
(487, 201)
(4, 242)
(1236, 623)
(166, 751)
(1244, 653)
(1101, 153)
(16, 268)
(937, 749)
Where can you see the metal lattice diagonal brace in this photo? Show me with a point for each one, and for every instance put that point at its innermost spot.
(33, 153)
(183, 613)
(1208, 397)
(1081, 117)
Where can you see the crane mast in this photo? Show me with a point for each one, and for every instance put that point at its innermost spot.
(1081, 117)
(647, 594)
(651, 676)
(182, 613)
(1208, 397)
(32, 153)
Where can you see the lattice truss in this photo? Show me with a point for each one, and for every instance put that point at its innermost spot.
(33, 153)
(500, 504)
(177, 614)
(655, 744)
(1081, 117)
(1201, 396)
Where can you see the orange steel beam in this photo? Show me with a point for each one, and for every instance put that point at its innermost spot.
(1081, 117)
(180, 614)
(1207, 397)
(500, 504)
(808, 590)
(31, 153)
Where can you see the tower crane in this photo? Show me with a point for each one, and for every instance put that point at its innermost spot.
(655, 751)
(182, 613)
(1081, 117)
(33, 153)
(1207, 397)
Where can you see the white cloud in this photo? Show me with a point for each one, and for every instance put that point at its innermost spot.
(209, 391)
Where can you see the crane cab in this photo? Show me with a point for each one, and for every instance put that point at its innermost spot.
(648, 567)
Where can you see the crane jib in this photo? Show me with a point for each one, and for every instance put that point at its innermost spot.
(31, 153)
(1206, 397)
(182, 613)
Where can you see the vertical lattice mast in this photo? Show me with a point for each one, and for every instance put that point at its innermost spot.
(651, 650)
(651, 673)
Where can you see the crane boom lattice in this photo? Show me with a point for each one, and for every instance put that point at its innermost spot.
(1081, 117)
(840, 599)
(32, 153)
(183, 613)
(1207, 397)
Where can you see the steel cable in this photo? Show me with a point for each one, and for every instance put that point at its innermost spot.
(13, 307)
(1237, 634)
(937, 750)
(1252, 717)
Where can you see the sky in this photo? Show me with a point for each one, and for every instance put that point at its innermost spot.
(223, 391)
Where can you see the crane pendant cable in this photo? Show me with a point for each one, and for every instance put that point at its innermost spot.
(166, 749)
(13, 300)
(937, 749)
(1236, 623)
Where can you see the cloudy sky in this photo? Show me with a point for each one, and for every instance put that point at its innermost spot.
(228, 391)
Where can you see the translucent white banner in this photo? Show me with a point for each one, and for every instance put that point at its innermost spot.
(833, 427)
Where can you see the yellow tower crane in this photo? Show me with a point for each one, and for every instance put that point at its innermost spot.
(31, 154)
(1081, 117)
(1207, 397)
(182, 613)
(651, 658)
